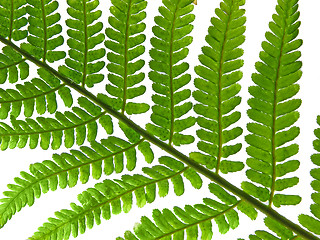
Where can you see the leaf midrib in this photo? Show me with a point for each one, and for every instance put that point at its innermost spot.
(201, 221)
(66, 170)
(274, 117)
(83, 213)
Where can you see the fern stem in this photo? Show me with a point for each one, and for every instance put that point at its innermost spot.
(169, 149)
(203, 220)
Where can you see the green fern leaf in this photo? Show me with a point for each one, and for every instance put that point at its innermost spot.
(12, 19)
(12, 66)
(82, 121)
(43, 29)
(112, 197)
(84, 35)
(313, 223)
(68, 169)
(126, 46)
(168, 72)
(181, 223)
(274, 110)
(281, 232)
(218, 89)
(39, 94)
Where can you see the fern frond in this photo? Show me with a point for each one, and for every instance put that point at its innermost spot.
(12, 66)
(84, 35)
(169, 50)
(39, 94)
(44, 30)
(313, 223)
(126, 34)
(113, 197)
(274, 110)
(12, 19)
(280, 232)
(67, 169)
(218, 89)
(186, 223)
(81, 120)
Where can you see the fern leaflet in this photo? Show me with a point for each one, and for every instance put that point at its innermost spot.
(43, 29)
(313, 223)
(126, 46)
(181, 223)
(81, 120)
(112, 197)
(274, 110)
(218, 89)
(84, 35)
(11, 63)
(39, 94)
(68, 168)
(169, 49)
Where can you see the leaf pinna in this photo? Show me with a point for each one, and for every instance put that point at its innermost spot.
(273, 109)
(126, 34)
(84, 35)
(218, 89)
(104, 141)
(170, 42)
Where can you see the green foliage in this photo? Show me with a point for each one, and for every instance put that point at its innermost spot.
(187, 222)
(112, 197)
(274, 110)
(280, 231)
(126, 46)
(44, 30)
(170, 42)
(39, 94)
(67, 169)
(12, 19)
(31, 33)
(72, 127)
(313, 223)
(11, 63)
(84, 35)
(218, 89)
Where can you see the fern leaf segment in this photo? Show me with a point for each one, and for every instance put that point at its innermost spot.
(44, 30)
(112, 197)
(280, 232)
(126, 45)
(312, 223)
(12, 19)
(168, 72)
(274, 110)
(39, 94)
(179, 223)
(81, 121)
(84, 35)
(67, 169)
(12, 66)
(218, 89)
(172, 151)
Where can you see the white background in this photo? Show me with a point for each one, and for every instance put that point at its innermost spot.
(258, 14)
